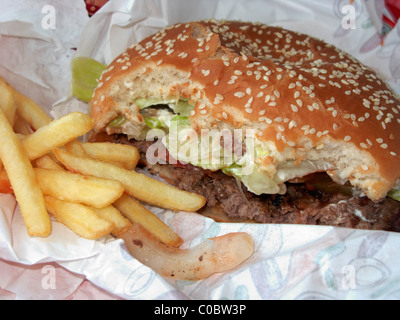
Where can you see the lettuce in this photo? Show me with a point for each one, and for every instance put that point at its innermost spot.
(153, 123)
(85, 74)
(181, 121)
(394, 194)
(118, 121)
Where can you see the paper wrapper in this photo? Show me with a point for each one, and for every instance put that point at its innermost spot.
(290, 261)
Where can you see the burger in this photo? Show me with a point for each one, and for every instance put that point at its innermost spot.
(269, 125)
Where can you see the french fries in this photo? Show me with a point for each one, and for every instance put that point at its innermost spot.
(81, 185)
(7, 103)
(136, 213)
(136, 184)
(75, 147)
(79, 218)
(56, 134)
(110, 213)
(47, 162)
(68, 186)
(29, 110)
(23, 180)
(122, 155)
(33, 114)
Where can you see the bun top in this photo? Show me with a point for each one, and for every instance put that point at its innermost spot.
(297, 91)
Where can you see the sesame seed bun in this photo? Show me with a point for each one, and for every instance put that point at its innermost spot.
(307, 99)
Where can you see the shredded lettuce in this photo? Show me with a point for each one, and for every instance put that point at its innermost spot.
(118, 121)
(234, 169)
(85, 74)
(181, 121)
(183, 107)
(257, 181)
(153, 123)
(394, 194)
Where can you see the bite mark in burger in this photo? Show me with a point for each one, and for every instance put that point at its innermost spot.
(312, 111)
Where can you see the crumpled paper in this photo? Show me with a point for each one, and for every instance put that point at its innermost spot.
(290, 261)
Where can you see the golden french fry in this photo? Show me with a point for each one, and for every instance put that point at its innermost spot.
(75, 147)
(136, 184)
(23, 180)
(137, 213)
(110, 213)
(122, 155)
(73, 187)
(57, 133)
(7, 102)
(46, 162)
(28, 109)
(79, 218)
(31, 112)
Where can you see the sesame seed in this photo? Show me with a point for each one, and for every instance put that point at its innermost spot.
(205, 72)
(294, 108)
(292, 124)
(299, 102)
(239, 94)
(291, 143)
(281, 128)
(347, 138)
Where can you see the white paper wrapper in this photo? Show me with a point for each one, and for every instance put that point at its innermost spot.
(290, 261)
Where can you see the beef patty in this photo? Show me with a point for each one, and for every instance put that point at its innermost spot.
(303, 203)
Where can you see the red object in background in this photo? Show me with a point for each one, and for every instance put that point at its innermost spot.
(390, 15)
(92, 6)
